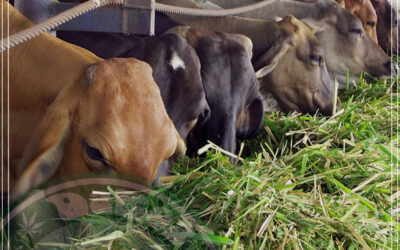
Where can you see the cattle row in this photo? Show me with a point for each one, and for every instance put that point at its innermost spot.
(112, 102)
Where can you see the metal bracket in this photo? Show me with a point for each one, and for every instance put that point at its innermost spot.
(144, 15)
(134, 17)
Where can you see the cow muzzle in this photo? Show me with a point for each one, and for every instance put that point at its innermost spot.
(395, 69)
(390, 69)
(165, 166)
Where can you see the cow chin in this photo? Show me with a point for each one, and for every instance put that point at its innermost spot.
(323, 103)
(310, 103)
(163, 170)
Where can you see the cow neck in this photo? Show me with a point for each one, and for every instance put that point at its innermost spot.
(43, 65)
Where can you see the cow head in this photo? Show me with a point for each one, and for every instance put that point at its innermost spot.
(111, 119)
(230, 86)
(294, 70)
(364, 10)
(387, 28)
(176, 70)
(346, 45)
(183, 92)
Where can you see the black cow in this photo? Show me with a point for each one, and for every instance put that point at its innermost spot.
(387, 27)
(231, 88)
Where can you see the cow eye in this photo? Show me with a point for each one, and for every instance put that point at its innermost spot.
(94, 153)
(371, 24)
(316, 59)
(356, 31)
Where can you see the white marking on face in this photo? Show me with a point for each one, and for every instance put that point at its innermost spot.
(176, 62)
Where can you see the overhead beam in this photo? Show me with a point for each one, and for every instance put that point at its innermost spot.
(134, 17)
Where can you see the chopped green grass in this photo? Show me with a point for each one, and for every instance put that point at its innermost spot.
(305, 182)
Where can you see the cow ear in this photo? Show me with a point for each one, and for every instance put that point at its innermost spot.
(204, 115)
(179, 30)
(43, 155)
(250, 119)
(267, 62)
(245, 41)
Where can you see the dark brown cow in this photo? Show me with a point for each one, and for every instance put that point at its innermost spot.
(387, 28)
(230, 85)
(364, 10)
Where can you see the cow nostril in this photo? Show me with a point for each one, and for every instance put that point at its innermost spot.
(207, 112)
(156, 182)
(328, 111)
(204, 115)
(392, 67)
(395, 69)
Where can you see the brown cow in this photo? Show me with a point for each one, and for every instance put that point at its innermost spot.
(364, 10)
(72, 112)
(387, 28)
(176, 70)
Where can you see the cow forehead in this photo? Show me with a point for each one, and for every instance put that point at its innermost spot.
(128, 70)
(302, 34)
(124, 105)
(121, 82)
(346, 19)
(364, 9)
(131, 128)
(334, 14)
